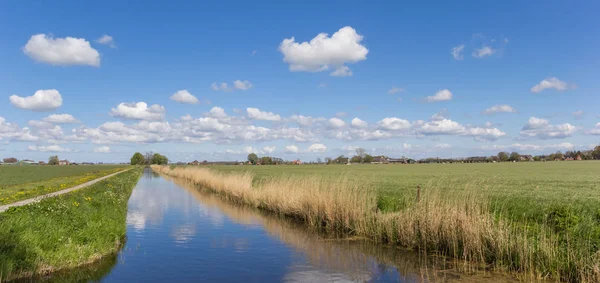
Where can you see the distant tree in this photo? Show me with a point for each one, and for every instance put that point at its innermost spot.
(138, 159)
(10, 160)
(159, 159)
(537, 158)
(514, 156)
(596, 152)
(361, 152)
(341, 159)
(148, 157)
(253, 158)
(356, 159)
(266, 160)
(53, 160)
(558, 155)
(328, 160)
(502, 156)
(367, 158)
(319, 161)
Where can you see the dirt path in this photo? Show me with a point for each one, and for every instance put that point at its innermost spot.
(5, 207)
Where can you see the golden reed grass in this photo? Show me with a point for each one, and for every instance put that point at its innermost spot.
(460, 225)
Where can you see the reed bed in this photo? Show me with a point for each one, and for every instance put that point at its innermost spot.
(461, 224)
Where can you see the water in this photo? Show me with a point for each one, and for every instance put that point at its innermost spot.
(175, 233)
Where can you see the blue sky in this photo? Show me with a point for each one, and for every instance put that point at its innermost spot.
(535, 61)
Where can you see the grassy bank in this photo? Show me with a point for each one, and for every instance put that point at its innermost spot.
(23, 182)
(65, 231)
(467, 222)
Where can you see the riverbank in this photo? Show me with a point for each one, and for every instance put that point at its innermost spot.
(66, 231)
(463, 224)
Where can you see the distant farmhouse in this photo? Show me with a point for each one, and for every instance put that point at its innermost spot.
(64, 162)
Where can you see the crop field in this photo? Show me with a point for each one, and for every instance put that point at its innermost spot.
(23, 182)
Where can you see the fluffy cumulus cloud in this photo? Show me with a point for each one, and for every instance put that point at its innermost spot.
(501, 108)
(594, 131)
(531, 147)
(542, 129)
(483, 52)
(336, 123)
(102, 149)
(269, 149)
(550, 83)
(237, 85)
(41, 100)
(49, 148)
(257, 114)
(107, 40)
(441, 95)
(394, 124)
(61, 119)
(358, 123)
(61, 51)
(242, 85)
(457, 52)
(138, 111)
(317, 148)
(184, 96)
(325, 53)
(291, 149)
(11, 131)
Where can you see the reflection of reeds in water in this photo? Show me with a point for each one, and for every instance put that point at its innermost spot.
(460, 225)
(354, 258)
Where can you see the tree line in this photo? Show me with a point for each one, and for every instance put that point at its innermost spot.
(148, 159)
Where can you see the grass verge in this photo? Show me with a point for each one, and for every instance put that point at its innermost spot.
(462, 223)
(67, 230)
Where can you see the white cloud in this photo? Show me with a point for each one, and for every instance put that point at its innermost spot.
(442, 95)
(343, 71)
(483, 51)
(61, 51)
(549, 83)
(594, 131)
(291, 149)
(578, 114)
(257, 114)
(107, 40)
(336, 123)
(395, 90)
(102, 149)
(457, 52)
(184, 96)
(305, 121)
(41, 100)
(139, 111)
(531, 147)
(504, 108)
(269, 149)
(394, 124)
(324, 52)
(317, 147)
(237, 85)
(61, 119)
(49, 148)
(358, 123)
(220, 87)
(542, 129)
(443, 114)
(242, 85)
(216, 112)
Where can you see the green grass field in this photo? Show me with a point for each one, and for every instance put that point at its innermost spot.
(520, 187)
(67, 230)
(23, 182)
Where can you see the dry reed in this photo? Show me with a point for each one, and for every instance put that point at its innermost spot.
(460, 225)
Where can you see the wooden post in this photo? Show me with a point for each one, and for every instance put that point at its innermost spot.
(418, 193)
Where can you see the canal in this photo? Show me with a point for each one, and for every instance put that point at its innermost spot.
(176, 233)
